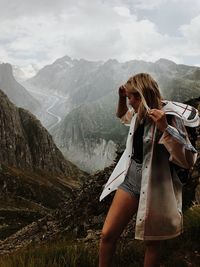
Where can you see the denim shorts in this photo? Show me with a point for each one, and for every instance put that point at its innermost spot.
(132, 181)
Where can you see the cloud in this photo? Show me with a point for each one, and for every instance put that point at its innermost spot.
(122, 11)
(13, 9)
(39, 32)
(191, 34)
(3, 55)
(148, 5)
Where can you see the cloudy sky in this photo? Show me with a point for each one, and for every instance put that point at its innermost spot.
(37, 32)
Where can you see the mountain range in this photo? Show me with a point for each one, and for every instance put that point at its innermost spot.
(78, 100)
(89, 133)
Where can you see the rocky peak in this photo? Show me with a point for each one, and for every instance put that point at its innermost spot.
(166, 62)
(63, 59)
(25, 143)
(15, 91)
(13, 145)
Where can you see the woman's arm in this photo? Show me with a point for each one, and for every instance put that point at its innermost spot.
(122, 106)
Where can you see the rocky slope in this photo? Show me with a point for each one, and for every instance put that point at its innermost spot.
(34, 176)
(26, 144)
(15, 91)
(79, 213)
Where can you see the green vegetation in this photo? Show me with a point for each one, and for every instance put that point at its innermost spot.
(28, 196)
(179, 252)
(61, 253)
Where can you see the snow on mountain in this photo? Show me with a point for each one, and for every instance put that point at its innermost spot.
(22, 73)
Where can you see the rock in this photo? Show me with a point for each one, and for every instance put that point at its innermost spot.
(26, 144)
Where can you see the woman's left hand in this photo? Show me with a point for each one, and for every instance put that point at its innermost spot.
(159, 117)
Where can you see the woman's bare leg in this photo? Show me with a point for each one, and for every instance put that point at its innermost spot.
(152, 254)
(123, 207)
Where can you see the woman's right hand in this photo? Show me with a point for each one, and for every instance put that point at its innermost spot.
(122, 91)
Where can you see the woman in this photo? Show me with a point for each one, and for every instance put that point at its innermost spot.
(145, 182)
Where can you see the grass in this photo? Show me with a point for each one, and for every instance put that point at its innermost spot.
(183, 251)
(60, 254)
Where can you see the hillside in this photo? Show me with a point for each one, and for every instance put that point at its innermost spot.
(91, 134)
(15, 91)
(35, 178)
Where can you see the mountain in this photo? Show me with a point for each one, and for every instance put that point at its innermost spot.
(89, 90)
(26, 144)
(86, 81)
(15, 91)
(90, 135)
(64, 76)
(34, 176)
(76, 81)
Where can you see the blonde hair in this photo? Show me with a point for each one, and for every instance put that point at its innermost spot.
(144, 86)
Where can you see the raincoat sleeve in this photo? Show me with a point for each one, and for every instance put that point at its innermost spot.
(127, 117)
(176, 141)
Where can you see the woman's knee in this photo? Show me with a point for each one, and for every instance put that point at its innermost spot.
(108, 236)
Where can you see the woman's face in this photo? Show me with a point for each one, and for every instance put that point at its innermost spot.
(134, 100)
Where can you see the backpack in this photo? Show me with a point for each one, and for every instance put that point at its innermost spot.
(190, 116)
(182, 173)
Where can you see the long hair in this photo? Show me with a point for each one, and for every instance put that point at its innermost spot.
(144, 86)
